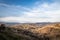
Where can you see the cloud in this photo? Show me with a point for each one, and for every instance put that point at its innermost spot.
(25, 20)
(12, 10)
(45, 12)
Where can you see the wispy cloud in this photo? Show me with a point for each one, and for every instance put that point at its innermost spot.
(12, 10)
(45, 12)
(46, 9)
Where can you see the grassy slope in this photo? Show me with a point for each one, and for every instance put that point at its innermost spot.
(11, 36)
(51, 31)
(28, 32)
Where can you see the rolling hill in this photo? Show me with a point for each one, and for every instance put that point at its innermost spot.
(31, 32)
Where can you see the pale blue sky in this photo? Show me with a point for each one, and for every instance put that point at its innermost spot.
(30, 10)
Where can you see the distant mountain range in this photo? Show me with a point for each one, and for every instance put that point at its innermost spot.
(36, 22)
(28, 23)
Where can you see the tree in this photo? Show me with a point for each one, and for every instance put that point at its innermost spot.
(2, 27)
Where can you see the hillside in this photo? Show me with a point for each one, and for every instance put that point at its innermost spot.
(31, 32)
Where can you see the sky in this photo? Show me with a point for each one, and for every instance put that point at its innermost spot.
(29, 11)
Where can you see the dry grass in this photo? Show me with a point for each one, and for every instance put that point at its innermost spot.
(51, 31)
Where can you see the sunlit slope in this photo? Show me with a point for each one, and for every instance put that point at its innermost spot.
(50, 30)
(31, 32)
